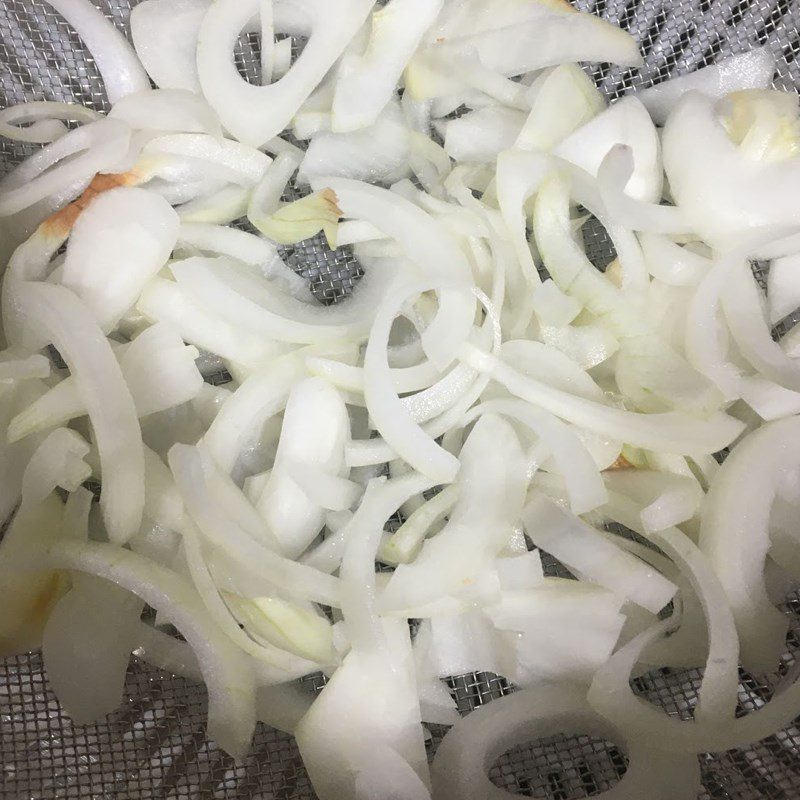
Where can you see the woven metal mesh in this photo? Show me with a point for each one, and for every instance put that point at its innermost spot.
(154, 748)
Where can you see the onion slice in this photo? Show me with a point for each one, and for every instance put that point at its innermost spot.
(120, 68)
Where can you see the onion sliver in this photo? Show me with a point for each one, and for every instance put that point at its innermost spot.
(226, 671)
(474, 743)
(68, 324)
(669, 432)
(255, 114)
(120, 68)
(734, 535)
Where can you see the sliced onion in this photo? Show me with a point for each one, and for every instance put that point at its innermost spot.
(735, 536)
(582, 548)
(255, 114)
(227, 674)
(169, 110)
(670, 432)
(69, 163)
(69, 326)
(751, 70)
(120, 68)
(313, 437)
(473, 745)
(491, 490)
(165, 34)
(130, 228)
(87, 645)
(46, 116)
(366, 83)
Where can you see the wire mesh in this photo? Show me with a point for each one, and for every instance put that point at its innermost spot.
(154, 746)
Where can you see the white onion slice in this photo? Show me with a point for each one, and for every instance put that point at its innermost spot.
(255, 114)
(491, 493)
(626, 122)
(362, 537)
(404, 544)
(751, 70)
(670, 432)
(226, 671)
(735, 536)
(373, 695)
(168, 110)
(580, 473)
(131, 229)
(433, 251)
(46, 116)
(313, 435)
(742, 304)
(672, 264)
(87, 646)
(581, 547)
(159, 370)
(564, 99)
(473, 745)
(727, 195)
(783, 287)
(69, 163)
(365, 83)
(294, 580)
(165, 34)
(69, 326)
(379, 153)
(120, 68)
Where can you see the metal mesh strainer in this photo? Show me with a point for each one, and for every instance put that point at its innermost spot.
(154, 747)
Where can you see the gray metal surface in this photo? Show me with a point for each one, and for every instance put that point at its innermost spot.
(154, 748)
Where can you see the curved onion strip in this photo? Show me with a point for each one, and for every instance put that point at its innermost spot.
(717, 696)
(168, 110)
(613, 175)
(254, 114)
(652, 363)
(585, 486)
(294, 579)
(243, 299)
(751, 70)
(46, 116)
(351, 378)
(670, 263)
(291, 666)
(735, 535)
(164, 34)
(403, 545)
(263, 394)
(366, 83)
(266, 197)
(226, 671)
(221, 240)
(87, 645)
(71, 161)
(164, 301)
(362, 538)
(669, 432)
(742, 305)
(120, 68)
(428, 246)
(131, 228)
(492, 484)
(69, 326)
(474, 743)
(387, 411)
(597, 559)
(314, 431)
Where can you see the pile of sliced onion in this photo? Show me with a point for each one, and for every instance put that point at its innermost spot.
(484, 381)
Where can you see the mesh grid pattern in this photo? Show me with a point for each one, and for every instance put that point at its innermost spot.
(154, 746)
